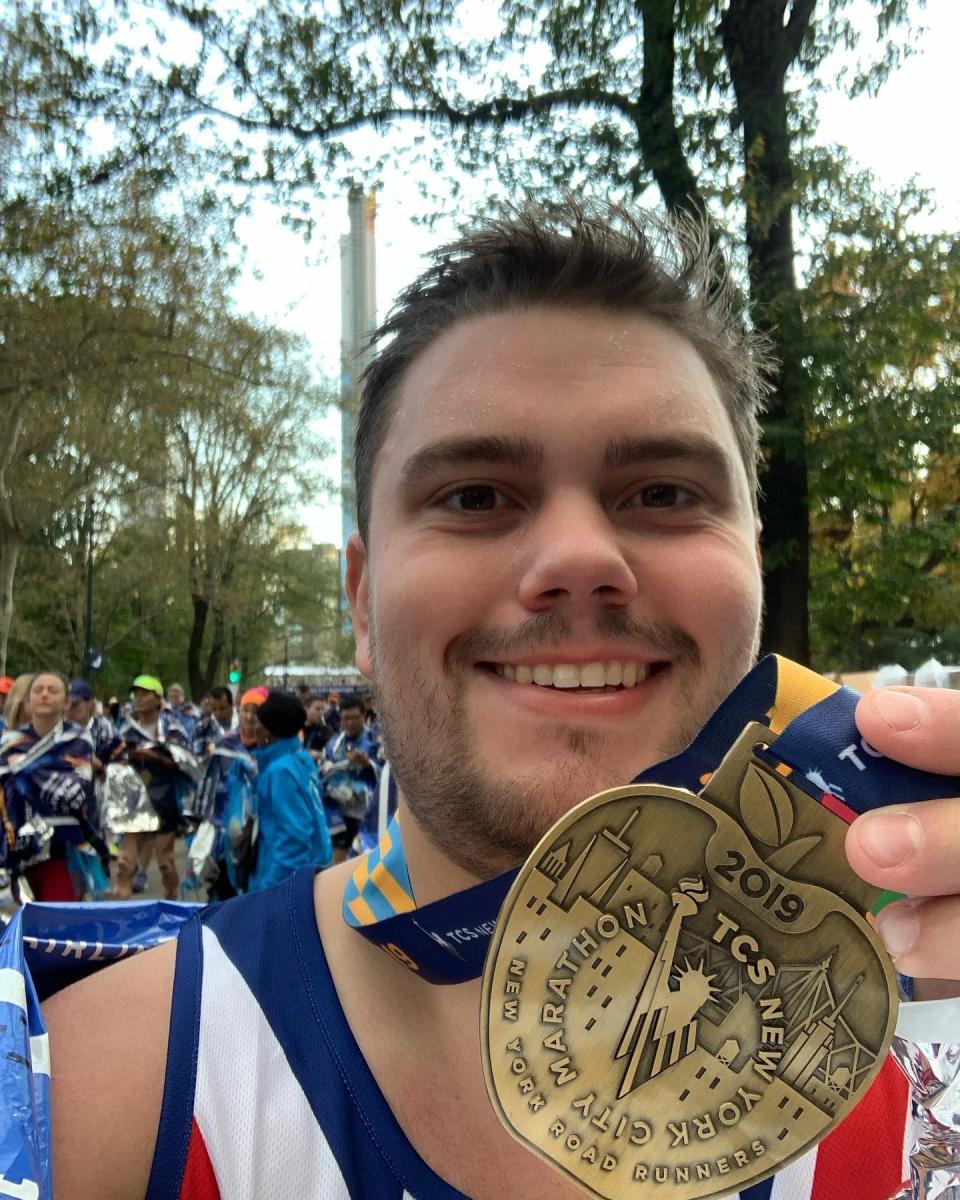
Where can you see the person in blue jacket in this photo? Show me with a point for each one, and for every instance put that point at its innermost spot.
(292, 825)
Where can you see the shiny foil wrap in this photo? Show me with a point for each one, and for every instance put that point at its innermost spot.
(126, 806)
(927, 1047)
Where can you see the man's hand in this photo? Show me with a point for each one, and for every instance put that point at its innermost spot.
(914, 848)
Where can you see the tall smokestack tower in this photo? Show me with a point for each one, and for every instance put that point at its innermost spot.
(359, 318)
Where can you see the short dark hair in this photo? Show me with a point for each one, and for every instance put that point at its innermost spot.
(571, 256)
(350, 702)
(221, 692)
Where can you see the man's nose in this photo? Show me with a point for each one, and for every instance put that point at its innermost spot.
(576, 557)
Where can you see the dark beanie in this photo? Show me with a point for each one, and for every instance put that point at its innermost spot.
(282, 715)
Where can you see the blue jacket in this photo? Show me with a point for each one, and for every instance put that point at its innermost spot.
(292, 825)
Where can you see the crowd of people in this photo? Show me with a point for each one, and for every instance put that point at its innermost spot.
(258, 785)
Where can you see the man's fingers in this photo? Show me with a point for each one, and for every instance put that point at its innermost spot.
(921, 936)
(910, 848)
(916, 726)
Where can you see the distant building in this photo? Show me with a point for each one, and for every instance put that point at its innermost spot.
(358, 277)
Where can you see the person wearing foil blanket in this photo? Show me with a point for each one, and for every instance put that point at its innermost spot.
(554, 581)
(350, 769)
(46, 795)
(160, 750)
(211, 800)
(107, 743)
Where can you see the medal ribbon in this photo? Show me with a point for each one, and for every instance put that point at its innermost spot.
(817, 745)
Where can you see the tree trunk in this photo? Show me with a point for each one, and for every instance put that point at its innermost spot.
(760, 48)
(10, 547)
(657, 131)
(215, 655)
(201, 608)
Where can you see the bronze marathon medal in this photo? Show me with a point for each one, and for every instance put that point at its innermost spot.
(682, 994)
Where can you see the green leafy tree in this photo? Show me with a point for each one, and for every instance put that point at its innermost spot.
(142, 610)
(310, 601)
(77, 401)
(241, 456)
(882, 313)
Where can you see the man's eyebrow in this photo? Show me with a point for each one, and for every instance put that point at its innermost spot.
(628, 451)
(521, 452)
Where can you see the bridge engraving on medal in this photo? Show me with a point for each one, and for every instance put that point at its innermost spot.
(681, 995)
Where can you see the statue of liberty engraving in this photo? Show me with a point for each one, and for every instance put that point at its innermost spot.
(665, 1018)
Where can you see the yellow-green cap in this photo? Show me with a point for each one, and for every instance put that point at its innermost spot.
(149, 683)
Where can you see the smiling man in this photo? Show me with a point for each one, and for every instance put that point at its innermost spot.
(598, 505)
(554, 583)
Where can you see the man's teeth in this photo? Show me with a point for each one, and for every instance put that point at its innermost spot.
(564, 675)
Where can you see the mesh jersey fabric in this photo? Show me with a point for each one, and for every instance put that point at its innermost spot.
(267, 1096)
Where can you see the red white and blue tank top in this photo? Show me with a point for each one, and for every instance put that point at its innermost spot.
(267, 1095)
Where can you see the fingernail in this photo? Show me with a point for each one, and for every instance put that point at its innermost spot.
(899, 927)
(889, 838)
(900, 710)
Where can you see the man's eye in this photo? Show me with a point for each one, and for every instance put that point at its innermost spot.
(661, 495)
(477, 498)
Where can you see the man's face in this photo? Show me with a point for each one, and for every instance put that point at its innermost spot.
(315, 712)
(351, 721)
(146, 704)
(222, 709)
(175, 696)
(559, 501)
(79, 711)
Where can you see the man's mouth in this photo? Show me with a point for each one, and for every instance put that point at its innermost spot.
(605, 676)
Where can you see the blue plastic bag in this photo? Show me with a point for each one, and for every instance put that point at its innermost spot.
(24, 1077)
(44, 948)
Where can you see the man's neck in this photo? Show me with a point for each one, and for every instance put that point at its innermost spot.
(432, 874)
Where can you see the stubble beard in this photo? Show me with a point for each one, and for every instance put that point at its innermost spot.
(484, 824)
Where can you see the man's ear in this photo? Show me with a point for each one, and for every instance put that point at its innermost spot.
(358, 594)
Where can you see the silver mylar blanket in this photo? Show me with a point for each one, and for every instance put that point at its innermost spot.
(126, 803)
(927, 1048)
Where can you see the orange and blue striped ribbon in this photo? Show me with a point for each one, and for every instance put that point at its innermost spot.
(380, 886)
